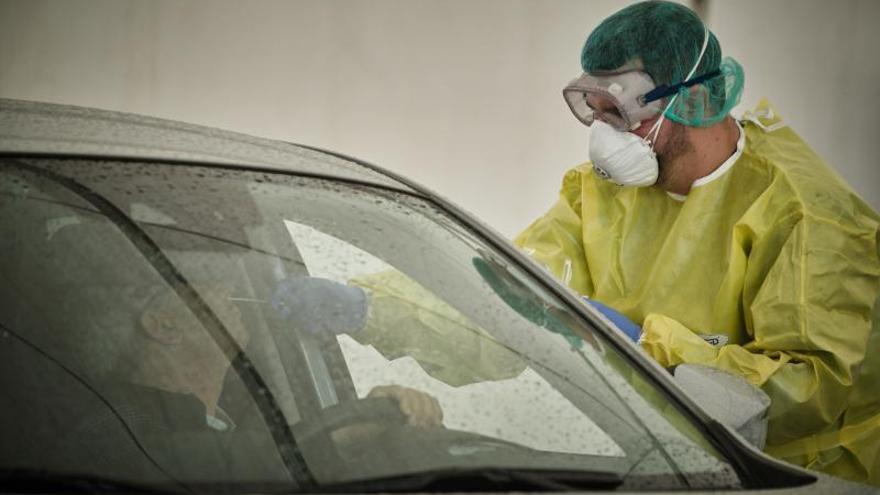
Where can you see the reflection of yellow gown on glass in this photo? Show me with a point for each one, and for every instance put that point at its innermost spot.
(774, 260)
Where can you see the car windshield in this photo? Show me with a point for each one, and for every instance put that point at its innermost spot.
(193, 327)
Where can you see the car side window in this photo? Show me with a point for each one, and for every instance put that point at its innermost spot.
(329, 257)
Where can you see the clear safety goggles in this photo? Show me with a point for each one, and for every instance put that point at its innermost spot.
(624, 99)
(619, 100)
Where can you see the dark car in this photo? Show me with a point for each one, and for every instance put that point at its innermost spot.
(189, 309)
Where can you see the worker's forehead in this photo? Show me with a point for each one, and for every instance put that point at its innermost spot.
(635, 64)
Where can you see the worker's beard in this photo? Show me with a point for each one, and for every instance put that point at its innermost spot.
(669, 161)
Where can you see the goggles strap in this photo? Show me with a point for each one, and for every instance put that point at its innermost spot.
(663, 90)
(655, 130)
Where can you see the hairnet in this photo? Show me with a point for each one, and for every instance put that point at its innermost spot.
(667, 37)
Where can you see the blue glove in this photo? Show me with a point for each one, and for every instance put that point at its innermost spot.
(623, 323)
(321, 306)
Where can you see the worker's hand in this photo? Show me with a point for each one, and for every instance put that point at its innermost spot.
(321, 306)
(420, 409)
(626, 325)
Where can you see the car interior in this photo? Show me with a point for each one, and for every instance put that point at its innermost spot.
(69, 281)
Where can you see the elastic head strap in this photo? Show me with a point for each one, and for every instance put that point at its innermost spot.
(655, 130)
(663, 90)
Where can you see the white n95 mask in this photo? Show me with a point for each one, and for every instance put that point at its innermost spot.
(622, 157)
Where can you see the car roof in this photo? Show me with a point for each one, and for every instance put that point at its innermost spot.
(49, 129)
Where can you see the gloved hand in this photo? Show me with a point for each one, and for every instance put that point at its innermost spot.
(321, 306)
(629, 328)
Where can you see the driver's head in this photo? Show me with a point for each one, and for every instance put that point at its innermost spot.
(167, 319)
(176, 352)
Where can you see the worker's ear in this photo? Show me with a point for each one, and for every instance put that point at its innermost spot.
(161, 328)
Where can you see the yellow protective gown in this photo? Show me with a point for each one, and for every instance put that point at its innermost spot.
(768, 269)
(405, 319)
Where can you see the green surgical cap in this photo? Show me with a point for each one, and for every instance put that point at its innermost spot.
(667, 37)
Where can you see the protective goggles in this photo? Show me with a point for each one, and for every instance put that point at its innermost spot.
(622, 100)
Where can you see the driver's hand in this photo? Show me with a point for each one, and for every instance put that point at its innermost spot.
(420, 408)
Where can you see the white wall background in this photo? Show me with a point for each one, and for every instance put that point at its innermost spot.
(461, 95)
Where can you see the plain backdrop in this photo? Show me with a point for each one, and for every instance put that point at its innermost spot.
(464, 96)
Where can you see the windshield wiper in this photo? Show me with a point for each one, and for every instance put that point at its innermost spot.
(41, 481)
(490, 479)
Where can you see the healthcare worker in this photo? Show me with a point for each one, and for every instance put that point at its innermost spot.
(731, 244)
